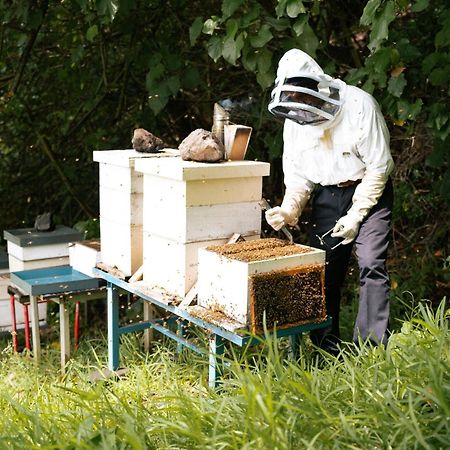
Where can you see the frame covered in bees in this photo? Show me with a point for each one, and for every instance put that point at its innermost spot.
(263, 282)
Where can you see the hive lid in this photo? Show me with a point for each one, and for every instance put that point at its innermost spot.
(177, 169)
(127, 158)
(29, 237)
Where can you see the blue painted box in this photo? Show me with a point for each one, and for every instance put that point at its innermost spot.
(53, 280)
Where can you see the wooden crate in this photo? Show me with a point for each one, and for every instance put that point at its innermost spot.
(240, 289)
(172, 265)
(121, 198)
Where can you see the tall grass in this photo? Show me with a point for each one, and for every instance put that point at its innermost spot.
(368, 398)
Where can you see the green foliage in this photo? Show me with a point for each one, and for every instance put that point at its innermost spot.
(80, 75)
(368, 398)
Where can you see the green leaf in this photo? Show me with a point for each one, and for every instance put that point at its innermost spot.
(249, 59)
(214, 47)
(407, 110)
(420, 5)
(232, 49)
(264, 79)
(299, 25)
(440, 76)
(308, 40)
(369, 12)
(209, 26)
(195, 30)
(380, 30)
(430, 61)
(108, 8)
(251, 16)
(91, 33)
(173, 84)
(279, 24)
(264, 60)
(157, 103)
(229, 7)
(155, 73)
(262, 38)
(294, 8)
(396, 85)
(232, 28)
(280, 8)
(443, 36)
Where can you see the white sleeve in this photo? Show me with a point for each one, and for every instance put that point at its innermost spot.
(298, 187)
(374, 151)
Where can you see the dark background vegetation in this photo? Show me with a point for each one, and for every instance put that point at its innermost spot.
(80, 75)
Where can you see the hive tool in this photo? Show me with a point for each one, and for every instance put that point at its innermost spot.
(322, 241)
(265, 205)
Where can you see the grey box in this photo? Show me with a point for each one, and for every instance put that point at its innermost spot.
(29, 237)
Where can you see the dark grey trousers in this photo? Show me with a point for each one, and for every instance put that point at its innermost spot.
(329, 204)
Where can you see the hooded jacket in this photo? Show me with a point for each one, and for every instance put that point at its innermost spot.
(354, 145)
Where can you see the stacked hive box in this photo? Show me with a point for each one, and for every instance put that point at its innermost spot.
(29, 249)
(190, 205)
(261, 280)
(121, 196)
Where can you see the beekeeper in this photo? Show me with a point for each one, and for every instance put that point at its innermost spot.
(336, 147)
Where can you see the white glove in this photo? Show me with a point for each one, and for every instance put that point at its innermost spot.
(278, 217)
(288, 213)
(347, 228)
(365, 197)
(367, 193)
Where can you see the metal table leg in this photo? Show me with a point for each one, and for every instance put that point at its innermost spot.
(181, 332)
(149, 314)
(12, 305)
(295, 342)
(76, 326)
(26, 320)
(64, 331)
(113, 326)
(216, 350)
(35, 328)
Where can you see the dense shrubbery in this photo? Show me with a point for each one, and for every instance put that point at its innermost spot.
(80, 75)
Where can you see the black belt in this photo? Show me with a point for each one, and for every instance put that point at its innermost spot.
(347, 183)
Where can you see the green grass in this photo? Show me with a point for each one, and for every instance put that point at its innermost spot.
(369, 398)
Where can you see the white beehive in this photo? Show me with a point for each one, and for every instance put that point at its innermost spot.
(84, 256)
(5, 307)
(121, 200)
(190, 205)
(230, 285)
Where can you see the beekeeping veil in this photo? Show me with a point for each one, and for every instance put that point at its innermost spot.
(303, 92)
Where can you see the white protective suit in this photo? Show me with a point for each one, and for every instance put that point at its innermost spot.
(351, 144)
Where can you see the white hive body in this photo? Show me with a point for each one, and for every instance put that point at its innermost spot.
(85, 255)
(190, 205)
(121, 207)
(230, 286)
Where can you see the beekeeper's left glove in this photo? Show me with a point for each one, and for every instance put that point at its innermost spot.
(347, 228)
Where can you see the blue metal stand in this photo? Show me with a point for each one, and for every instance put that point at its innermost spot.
(218, 335)
(113, 326)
